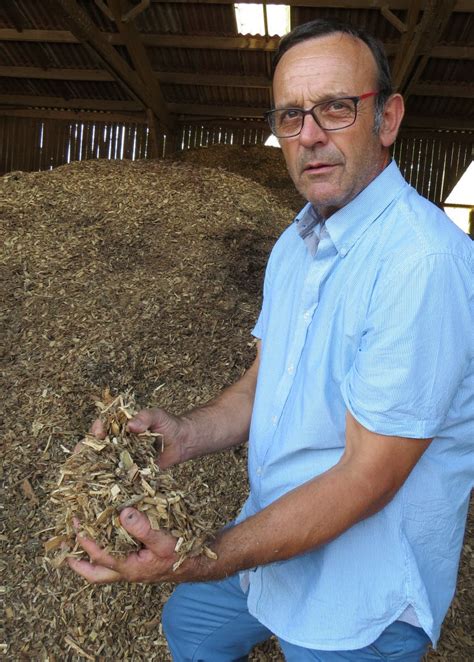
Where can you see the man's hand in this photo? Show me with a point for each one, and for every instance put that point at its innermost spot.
(175, 431)
(153, 563)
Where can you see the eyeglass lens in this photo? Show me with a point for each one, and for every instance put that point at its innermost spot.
(333, 114)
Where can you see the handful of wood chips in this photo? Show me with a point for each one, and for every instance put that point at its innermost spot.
(107, 475)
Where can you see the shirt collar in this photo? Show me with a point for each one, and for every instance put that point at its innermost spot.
(349, 223)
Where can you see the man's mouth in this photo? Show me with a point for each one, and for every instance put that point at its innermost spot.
(317, 167)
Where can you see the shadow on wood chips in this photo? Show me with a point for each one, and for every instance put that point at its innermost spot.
(143, 276)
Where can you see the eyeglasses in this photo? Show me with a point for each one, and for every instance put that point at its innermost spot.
(329, 115)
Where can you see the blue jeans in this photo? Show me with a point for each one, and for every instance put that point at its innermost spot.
(210, 622)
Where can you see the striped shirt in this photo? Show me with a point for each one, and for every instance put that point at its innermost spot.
(376, 320)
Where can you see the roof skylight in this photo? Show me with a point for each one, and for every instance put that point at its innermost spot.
(251, 18)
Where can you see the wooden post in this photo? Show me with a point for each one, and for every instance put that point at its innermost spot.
(171, 146)
(153, 140)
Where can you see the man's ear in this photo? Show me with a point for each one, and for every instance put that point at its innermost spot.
(392, 117)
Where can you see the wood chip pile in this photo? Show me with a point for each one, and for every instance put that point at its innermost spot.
(143, 277)
(264, 165)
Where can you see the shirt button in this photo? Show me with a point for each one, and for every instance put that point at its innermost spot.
(307, 315)
(274, 420)
(290, 369)
(259, 471)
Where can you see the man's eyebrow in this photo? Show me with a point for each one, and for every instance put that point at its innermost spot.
(320, 99)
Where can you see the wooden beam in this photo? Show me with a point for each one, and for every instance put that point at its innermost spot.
(431, 29)
(458, 91)
(241, 42)
(56, 74)
(235, 124)
(250, 42)
(84, 29)
(135, 10)
(448, 51)
(408, 45)
(216, 111)
(16, 100)
(140, 59)
(425, 122)
(388, 14)
(451, 52)
(177, 78)
(79, 116)
(410, 124)
(461, 5)
(220, 80)
(154, 133)
(52, 36)
(418, 42)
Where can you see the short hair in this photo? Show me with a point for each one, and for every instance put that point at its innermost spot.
(324, 27)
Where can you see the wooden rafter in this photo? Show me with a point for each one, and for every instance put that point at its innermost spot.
(84, 30)
(121, 10)
(408, 45)
(418, 41)
(23, 100)
(53, 73)
(442, 13)
(439, 89)
(448, 51)
(76, 115)
(458, 91)
(428, 122)
(208, 115)
(173, 77)
(461, 5)
(126, 118)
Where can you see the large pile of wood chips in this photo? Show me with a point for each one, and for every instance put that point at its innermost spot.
(142, 277)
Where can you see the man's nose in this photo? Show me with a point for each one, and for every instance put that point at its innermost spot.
(311, 132)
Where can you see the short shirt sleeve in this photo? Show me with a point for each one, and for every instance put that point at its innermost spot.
(261, 325)
(415, 348)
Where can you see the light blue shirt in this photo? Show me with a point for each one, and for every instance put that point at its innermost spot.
(377, 321)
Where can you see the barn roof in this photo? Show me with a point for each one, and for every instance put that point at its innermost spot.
(185, 61)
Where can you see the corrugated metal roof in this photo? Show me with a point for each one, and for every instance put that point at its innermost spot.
(209, 22)
(448, 71)
(63, 88)
(369, 19)
(188, 18)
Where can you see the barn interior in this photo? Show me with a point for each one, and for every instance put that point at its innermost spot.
(109, 110)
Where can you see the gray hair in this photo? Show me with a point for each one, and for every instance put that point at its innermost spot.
(324, 27)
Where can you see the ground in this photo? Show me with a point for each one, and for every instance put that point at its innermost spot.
(143, 276)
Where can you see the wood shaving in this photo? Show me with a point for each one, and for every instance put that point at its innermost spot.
(105, 476)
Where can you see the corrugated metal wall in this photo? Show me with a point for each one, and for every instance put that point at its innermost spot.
(434, 162)
(36, 144)
(431, 161)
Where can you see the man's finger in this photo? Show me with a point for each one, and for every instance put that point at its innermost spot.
(138, 526)
(95, 574)
(142, 422)
(97, 555)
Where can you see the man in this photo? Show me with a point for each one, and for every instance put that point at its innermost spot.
(359, 403)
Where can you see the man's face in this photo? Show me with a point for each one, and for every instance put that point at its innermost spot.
(329, 168)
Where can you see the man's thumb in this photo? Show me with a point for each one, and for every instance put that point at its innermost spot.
(136, 524)
(141, 422)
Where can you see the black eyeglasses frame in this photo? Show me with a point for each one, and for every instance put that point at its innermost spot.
(355, 99)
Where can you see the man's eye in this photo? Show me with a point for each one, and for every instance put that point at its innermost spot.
(290, 114)
(337, 106)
